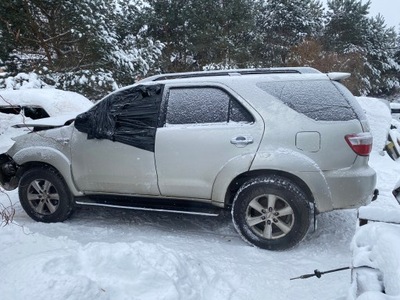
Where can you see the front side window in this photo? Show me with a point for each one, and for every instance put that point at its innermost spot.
(129, 116)
(200, 105)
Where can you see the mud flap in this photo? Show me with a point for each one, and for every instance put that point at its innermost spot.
(8, 173)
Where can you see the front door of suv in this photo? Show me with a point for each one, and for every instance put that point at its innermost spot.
(205, 127)
(112, 146)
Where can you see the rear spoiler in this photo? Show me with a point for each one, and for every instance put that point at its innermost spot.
(338, 75)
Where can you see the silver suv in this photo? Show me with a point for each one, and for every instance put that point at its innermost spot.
(276, 146)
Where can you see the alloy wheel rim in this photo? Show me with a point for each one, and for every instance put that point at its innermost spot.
(43, 197)
(270, 216)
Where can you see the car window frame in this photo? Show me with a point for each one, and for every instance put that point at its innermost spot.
(164, 105)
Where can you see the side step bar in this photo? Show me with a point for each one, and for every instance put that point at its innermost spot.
(150, 204)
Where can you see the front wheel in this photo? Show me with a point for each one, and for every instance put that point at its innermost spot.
(45, 196)
(271, 212)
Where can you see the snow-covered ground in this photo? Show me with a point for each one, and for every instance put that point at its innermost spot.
(376, 246)
(114, 254)
(117, 254)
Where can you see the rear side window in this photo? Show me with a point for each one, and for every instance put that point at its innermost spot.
(199, 105)
(352, 100)
(319, 100)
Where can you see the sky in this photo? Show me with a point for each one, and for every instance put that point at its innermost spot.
(389, 9)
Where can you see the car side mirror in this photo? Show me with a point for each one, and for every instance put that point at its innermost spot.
(83, 122)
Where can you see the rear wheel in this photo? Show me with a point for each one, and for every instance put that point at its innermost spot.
(271, 213)
(44, 195)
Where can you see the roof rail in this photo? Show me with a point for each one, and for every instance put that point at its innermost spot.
(232, 72)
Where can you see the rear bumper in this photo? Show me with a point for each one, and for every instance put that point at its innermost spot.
(352, 187)
(8, 173)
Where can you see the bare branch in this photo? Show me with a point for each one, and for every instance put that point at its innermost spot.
(56, 37)
(7, 213)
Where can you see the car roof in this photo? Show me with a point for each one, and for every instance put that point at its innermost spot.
(233, 72)
(233, 76)
(222, 76)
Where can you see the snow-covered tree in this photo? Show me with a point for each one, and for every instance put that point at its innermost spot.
(94, 46)
(350, 31)
(381, 68)
(347, 23)
(282, 24)
(228, 31)
(84, 39)
(197, 33)
(397, 58)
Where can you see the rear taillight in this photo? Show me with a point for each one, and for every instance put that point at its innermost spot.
(360, 143)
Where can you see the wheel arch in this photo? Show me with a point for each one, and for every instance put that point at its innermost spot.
(239, 180)
(29, 158)
(296, 167)
(276, 223)
(44, 194)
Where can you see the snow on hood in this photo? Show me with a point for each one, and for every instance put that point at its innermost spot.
(54, 101)
(62, 106)
(7, 132)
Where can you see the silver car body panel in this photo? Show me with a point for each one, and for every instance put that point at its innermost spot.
(189, 157)
(50, 147)
(194, 162)
(100, 165)
(189, 160)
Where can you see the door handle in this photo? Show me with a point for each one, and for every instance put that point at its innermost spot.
(241, 141)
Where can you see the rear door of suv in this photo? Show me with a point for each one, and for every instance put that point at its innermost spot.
(203, 128)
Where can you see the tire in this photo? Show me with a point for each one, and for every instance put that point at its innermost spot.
(271, 213)
(45, 196)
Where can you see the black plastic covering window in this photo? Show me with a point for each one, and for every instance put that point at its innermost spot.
(129, 116)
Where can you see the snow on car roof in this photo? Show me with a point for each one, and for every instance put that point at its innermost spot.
(54, 101)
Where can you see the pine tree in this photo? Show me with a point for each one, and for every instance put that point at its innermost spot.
(381, 67)
(92, 46)
(201, 33)
(167, 21)
(397, 59)
(282, 24)
(347, 24)
(350, 32)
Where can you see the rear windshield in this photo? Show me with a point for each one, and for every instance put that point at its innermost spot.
(320, 100)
